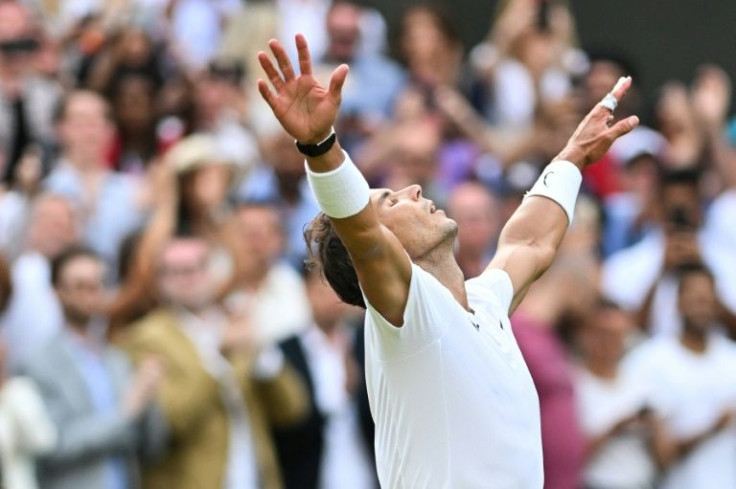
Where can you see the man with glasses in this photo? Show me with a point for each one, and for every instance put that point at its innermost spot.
(221, 392)
(102, 408)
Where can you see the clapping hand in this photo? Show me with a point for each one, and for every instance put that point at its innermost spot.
(303, 107)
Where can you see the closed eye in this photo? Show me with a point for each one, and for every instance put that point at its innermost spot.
(393, 202)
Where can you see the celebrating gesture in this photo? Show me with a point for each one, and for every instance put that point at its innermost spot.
(304, 108)
(451, 396)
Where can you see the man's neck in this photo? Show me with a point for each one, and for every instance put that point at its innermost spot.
(694, 341)
(441, 264)
(602, 370)
(84, 163)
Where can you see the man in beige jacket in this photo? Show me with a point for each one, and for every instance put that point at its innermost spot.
(219, 396)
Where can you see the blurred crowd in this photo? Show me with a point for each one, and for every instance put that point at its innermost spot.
(159, 329)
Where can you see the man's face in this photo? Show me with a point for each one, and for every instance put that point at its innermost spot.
(605, 334)
(473, 208)
(80, 288)
(261, 234)
(343, 29)
(17, 43)
(85, 129)
(414, 220)
(697, 301)
(183, 277)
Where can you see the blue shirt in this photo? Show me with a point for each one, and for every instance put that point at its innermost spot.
(101, 389)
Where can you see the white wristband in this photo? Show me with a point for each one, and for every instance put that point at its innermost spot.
(342, 192)
(560, 181)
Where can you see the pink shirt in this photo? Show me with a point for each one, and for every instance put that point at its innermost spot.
(563, 444)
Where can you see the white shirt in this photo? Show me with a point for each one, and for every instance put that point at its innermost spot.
(280, 306)
(345, 462)
(629, 274)
(205, 334)
(26, 431)
(34, 314)
(602, 403)
(691, 391)
(454, 404)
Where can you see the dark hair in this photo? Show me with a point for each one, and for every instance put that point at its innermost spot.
(327, 253)
(67, 256)
(687, 270)
(6, 284)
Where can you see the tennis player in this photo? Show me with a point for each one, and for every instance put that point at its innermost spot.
(453, 401)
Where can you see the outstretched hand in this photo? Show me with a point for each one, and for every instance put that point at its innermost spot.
(303, 107)
(597, 132)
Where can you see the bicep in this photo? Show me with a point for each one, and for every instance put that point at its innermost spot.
(381, 263)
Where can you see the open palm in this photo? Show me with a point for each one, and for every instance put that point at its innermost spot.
(303, 107)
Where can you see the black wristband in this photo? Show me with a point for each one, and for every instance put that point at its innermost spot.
(314, 150)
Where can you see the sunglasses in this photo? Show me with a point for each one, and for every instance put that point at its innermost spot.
(21, 45)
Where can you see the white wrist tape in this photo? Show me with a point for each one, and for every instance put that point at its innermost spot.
(560, 181)
(342, 192)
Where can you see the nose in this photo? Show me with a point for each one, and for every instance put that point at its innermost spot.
(413, 191)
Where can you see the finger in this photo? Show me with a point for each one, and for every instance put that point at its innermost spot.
(266, 93)
(270, 70)
(624, 126)
(622, 86)
(305, 62)
(282, 58)
(337, 80)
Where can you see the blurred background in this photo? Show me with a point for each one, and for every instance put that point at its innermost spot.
(158, 327)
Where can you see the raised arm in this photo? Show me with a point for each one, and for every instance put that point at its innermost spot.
(529, 241)
(307, 111)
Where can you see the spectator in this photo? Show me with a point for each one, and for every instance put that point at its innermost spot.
(133, 101)
(263, 282)
(333, 447)
(219, 396)
(430, 47)
(692, 380)
(626, 444)
(220, 109)
(374, 82)
(111, 205)
(102, 409)
(281, 179)
(534, 325)
(27, 101)
(640, 278)
(474, 208)
(26, 431)
(34, 314)
(527, 61)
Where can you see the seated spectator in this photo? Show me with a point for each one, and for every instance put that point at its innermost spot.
(333, 448)
(101, 407)
(26, 431)
(219, 395)
(263, 282)
(34, 314)
(691, 377)
(626, 444)
(111, 205)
